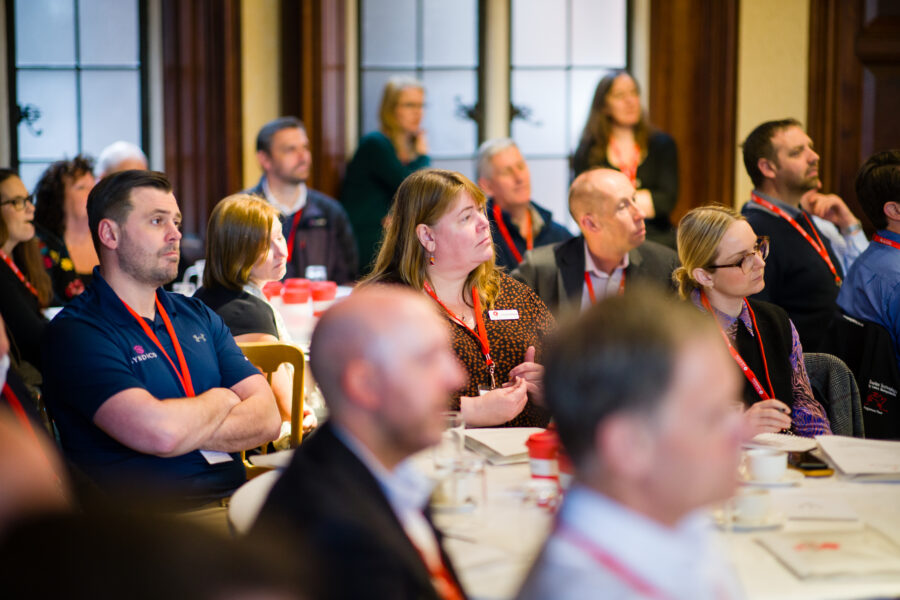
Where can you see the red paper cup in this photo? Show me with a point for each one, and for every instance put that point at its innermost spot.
(295, 295)
(323, 293)
(542, 452)
(272, 289)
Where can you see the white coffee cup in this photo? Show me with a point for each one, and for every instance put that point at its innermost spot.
(766, 465)
(751, 505)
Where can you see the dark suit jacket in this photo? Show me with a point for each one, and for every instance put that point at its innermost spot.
(556, 273)
(329, 502)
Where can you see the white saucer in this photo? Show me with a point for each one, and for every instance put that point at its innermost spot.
(790, 478)
(772, 521)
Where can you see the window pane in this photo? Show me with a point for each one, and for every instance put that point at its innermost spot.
(53, 93)
(449, 33)
(370, 99)
(449, 134)
(30, 173)
(464, 166)
(108, 32)
(45, 32)
(538, 33)
(584, 82)
(104, 121)
(598, 32)
(388, 33)
(544, 94)
(550, 187)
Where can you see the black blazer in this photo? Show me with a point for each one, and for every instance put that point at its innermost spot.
(332, 506)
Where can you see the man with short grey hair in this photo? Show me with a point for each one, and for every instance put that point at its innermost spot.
(518, 224)
(120, 156)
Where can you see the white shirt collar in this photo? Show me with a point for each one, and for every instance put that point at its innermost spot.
(299, 203)
(592, 268)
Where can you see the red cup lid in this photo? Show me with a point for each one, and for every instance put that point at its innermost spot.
(294, 282)
(543, 444)
(296, 295)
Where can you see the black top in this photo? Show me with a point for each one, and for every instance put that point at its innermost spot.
(242, 312)
(21, 312)
(775, 329)
(658, 174)
(797, 279)
(67, 283)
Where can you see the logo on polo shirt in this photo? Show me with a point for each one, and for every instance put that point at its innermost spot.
(199, 337)
(140, 355)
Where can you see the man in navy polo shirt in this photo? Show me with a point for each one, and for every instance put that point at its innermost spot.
(152, 398)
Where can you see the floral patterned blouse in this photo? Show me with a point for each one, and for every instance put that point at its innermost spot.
(67, 283)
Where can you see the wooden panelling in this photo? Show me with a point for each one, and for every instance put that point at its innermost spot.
(693, 50)
(202, 106)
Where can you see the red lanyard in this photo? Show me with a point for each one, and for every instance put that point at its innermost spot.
(883, 240)
(293, 234)
(529, 236)
(590, 285)
(9, 262)
(604, 558)
(748, 372)
(19, 411)
(183, 374)
(481, 335)
(817, 244)
(630, 170)
(443, 583)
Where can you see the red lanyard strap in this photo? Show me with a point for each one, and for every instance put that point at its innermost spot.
(590, 286)
(183, 374)
(817, 243)
(293, 233)
(630, 169)
(529, 236)
(481, 335)
(748, 372)
(883, 240)
(12, 265)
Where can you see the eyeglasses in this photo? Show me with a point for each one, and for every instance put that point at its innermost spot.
(20, 202)
(761, 249)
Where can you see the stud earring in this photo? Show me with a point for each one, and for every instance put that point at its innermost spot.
(431, 259)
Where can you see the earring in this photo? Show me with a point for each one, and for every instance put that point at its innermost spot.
(431, 259)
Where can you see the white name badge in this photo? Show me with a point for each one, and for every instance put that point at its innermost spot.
(503, 315)
(215, 457)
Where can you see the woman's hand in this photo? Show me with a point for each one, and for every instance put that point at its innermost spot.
(496, 406)
(309, 420)
(768, 416)
(533, 374)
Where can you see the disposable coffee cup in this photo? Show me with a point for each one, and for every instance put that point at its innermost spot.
(766, 465)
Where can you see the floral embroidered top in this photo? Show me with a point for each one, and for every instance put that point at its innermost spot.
(67, 283)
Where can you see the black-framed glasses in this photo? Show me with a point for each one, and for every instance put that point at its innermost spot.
(761, 249)
(19, 203)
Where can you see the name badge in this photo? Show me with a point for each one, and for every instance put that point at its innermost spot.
(215, 457)
(503, 315)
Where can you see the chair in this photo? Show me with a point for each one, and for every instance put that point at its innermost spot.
(267, 357)
(835, 387)
(866, 348)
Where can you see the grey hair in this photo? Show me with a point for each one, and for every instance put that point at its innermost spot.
(115, 153)
(489, 150)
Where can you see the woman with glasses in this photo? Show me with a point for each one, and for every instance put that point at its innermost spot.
(723, 262)
(24, 284)
(382, 161)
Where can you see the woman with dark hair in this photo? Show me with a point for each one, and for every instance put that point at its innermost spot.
(618, 136)
(245, 249)
(723, 261)
(62, 225)
(24, 285)
(438, 241)
(383, 160)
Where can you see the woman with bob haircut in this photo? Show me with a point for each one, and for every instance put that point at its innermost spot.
(383, 160)
(723, 262)
(618, 136)
(438, 241)
(246, 249)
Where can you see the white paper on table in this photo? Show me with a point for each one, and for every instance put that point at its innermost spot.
(816, 508)
(863, 459)
(501, 445)
(215, 457)
(469, 554)
(782, 441)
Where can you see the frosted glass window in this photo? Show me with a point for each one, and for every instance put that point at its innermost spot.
(372, 88)
(550, 187)
(53, 92)
(464, 166)
(544, 93)
(598, 32)
(103, 122)
(538, 33)
(449, 134)
(450, 32)
(108, 32)
(389, 33)
(30, 173)
(45, 32)
(583, 84)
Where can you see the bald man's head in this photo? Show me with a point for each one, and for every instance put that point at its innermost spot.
(593, 189)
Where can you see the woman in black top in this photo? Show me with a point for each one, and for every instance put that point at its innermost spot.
(245, 249)
(618, 136)
(24, 285)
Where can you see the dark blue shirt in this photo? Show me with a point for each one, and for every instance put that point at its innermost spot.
(871, 290)
(550, 232)
(95, 349)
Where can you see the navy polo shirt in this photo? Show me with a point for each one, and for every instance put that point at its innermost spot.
(95, 349)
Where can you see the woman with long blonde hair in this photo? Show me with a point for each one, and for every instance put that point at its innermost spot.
(438, 241)
(722, 263)
(383, 160)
